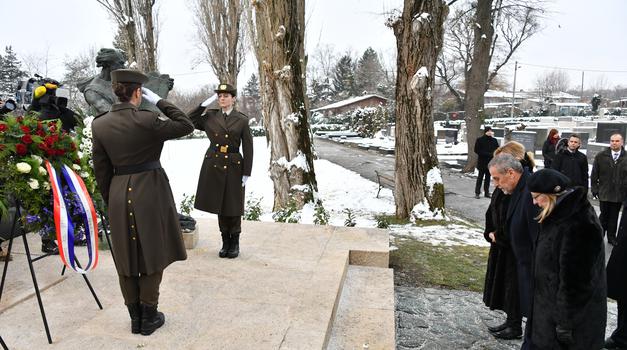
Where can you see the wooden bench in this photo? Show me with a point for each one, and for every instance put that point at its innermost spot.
(384, 181)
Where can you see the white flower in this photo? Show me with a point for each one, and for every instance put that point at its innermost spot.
(84, 175)
(33, 183)
(23, 168)
(37, 158)
(42, 171)
(47, 186)
(76, 167)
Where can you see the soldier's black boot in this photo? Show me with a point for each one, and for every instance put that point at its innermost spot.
(234, 248)
(135, 311)
(151, 319)
(226, 242)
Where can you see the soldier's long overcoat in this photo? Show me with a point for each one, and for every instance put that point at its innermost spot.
(142, 213)
(220, 188)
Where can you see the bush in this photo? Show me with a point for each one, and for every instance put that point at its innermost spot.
(253, 209)
(350, 218)
(257, 131)
(289, 214)
(382, 221)
(187, 204)
(321, 216)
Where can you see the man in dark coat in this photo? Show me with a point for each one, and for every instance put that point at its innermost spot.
(617, 285)
(127, 145)
(572, 163)
(509, 175)
(569, 294)
(607, 182)
(225, 170)
(484, 147)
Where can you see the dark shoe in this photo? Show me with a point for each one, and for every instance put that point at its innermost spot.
(495, 329)
(509, 333)
(234, 247)
(135, 311)
(477, 196)
(611, 344)
(487, 195)
(226, 242)
(49, 247)
(151, 319)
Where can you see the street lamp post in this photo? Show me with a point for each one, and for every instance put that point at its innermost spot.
(511, 111)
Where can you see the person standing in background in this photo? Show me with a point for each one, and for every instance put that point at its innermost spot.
(572, 163)
(548, 149)
(484, 148)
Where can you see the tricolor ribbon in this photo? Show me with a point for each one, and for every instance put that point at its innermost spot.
(63, 221)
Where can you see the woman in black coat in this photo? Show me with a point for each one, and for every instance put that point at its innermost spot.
(549, 147)
(569, 294)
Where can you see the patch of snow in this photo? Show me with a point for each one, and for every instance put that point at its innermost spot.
(433, 177)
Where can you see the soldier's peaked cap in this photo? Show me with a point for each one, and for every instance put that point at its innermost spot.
(128, 76)
(228, 88)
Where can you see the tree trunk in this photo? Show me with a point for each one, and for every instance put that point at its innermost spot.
(279, 46)
(419, 35)
(476, 82)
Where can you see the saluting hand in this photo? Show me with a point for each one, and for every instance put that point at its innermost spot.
(150, 96)
(244, 179)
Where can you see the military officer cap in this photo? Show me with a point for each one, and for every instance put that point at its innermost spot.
(228, 88)
(128, 76)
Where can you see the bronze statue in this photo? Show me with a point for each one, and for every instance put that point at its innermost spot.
(97, 89)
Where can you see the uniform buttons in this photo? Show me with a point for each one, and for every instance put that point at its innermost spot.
(215, 166)
(216, 156)
(217, 145)
(133, 238)
(131, 214)
(132, 226)
(238, 162)
(227, 136)
(216, 134)
(129, 201)
(225, 167)
(226, 156)
(130, 189)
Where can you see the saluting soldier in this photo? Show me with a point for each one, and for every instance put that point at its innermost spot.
(127, 144)
(224, 170)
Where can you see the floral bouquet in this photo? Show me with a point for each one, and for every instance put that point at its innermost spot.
(29, 149)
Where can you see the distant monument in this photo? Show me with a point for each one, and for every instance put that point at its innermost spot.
(97, 89)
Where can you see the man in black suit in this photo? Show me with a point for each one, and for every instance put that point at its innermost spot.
(572, 163)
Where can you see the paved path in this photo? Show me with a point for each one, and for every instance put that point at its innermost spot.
(428, 318)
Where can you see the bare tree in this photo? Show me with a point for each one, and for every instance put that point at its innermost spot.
(222, 35)
(419, 33)
(279, 28)
(552, 82)
(138, 30)
(481, 38)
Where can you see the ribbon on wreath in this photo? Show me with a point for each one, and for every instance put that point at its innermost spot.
(63, 221)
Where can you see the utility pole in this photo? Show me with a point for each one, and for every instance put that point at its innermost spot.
(511, 111)
(581, 96)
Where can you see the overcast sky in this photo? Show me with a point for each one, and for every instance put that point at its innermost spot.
(577, 34)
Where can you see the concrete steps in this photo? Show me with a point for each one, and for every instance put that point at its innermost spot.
(293, 287)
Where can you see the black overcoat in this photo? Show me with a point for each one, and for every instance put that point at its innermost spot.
(500, 291)
(617, 264)
(485, 147)
(569, 276)
(523, 230)
(574, 165)
(548, 152)
(144, 223)
(608, 179)
(220, 188)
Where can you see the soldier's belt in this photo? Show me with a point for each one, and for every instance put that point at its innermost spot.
(136, 168)
(225, 149)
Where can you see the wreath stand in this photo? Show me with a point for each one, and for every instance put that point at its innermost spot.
(31, 260)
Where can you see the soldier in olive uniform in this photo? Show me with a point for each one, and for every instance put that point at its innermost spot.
(145, 229)
(224, 170)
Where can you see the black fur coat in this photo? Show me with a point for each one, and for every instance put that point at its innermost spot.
(569, 276)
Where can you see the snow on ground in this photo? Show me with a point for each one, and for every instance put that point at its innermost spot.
(338, 188)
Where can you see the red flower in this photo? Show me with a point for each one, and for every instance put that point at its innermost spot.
(25, 129)
(52, 128)
(49, 140)
(19, 119)
(27, 139)
(50, 152)
(20, 148)
(40, 133)
(42, 146)
(60, 152)
(3, 127)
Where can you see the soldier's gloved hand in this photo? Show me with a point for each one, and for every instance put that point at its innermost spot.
(564, 335)
(595, 195)
(208, 101)
(150, 96)
(244, 179)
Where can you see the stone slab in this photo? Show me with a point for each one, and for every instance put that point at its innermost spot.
(281, 293)
(191, 238)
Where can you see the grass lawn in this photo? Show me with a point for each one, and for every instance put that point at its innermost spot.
(420, 264)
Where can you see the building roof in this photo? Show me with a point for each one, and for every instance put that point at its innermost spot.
(347, 102)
